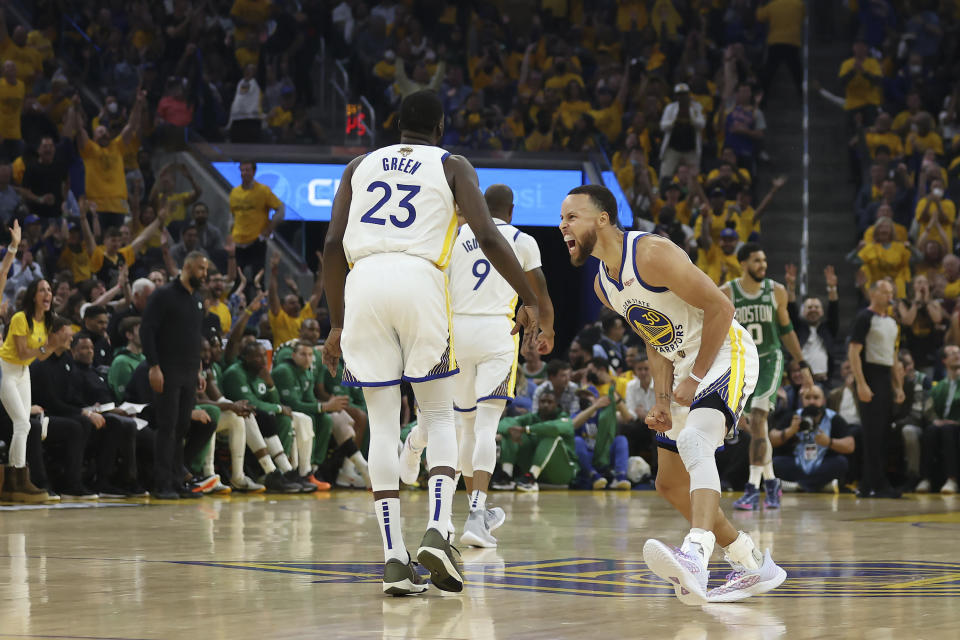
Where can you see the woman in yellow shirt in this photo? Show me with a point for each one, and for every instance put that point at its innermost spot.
(26, 341)
(883, 258)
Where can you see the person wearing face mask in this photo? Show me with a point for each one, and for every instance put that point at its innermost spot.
(817, 331)
(170, 332)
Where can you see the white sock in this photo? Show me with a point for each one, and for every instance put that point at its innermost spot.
(440, 502)
(266, 463)
(238, 446)
(478, 500)
(208, 460)
(756, 471)
(744, 551)
(388, 515)
(470, 501)
(358, 462)
(276, 452)
(768, 471)
(535, 471)
(700, 542)
(507, 468)
(456, 478)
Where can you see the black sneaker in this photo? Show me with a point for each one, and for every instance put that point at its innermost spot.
(294, 478)
(136, 490)
(436, 554)
(277, 483)
(190, 491)
(401, 579)
(527, 483)
(164, 494)
(501, 481)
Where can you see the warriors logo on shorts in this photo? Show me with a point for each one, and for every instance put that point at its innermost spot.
(655, 327)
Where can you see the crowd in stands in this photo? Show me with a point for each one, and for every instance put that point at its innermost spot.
(899, 92)
(671, 92)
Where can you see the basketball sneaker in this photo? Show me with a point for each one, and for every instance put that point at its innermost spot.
(686, 571)
(436, 554)
(501, 481)
(475, 532)
(401, 579)
(245, 484)
(621, 484)
(923, 486)
(494, 517)
(409, 463)
(749, 501)
(771, 486)
(528, 483)
(742, 582)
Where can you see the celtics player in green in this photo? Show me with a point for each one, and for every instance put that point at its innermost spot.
(760, 306)
(542, 442)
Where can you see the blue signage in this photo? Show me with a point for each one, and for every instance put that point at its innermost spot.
(308, 190)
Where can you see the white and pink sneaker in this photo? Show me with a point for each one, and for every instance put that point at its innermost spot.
(742, 582)
(686, 571)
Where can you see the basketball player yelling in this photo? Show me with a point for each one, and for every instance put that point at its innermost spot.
(393, 226)
(704, 368)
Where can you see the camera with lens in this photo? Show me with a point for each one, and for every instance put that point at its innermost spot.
(809, 419)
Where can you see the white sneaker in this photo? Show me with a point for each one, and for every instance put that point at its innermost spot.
(349, 478)
(923, 486)
(949, 487)
(475, 532)
(686, 572)
(246, 485)
(494, 517)
(742, 582)
(409, 463)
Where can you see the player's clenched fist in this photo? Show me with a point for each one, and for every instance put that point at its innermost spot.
(659, 419)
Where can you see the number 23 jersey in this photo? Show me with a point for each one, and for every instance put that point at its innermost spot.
(401, 203)
(476, 288)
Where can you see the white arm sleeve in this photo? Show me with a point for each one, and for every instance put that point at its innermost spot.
(528, 252)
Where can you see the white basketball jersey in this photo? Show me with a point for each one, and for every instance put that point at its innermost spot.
(401, 204)
(668, 324)
(476, 288)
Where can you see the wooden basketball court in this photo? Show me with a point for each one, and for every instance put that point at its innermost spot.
(569, 565)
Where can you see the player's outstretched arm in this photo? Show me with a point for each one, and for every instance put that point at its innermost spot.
(335, 266)
(670, 267)
(462, 178)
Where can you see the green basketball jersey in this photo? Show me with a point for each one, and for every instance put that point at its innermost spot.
(758, 315)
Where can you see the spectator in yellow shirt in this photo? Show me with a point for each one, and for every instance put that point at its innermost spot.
(881, 135)
(784, 39)
(883, 258)
(884, 210)
(861, 76)
(12, 95)
(250, 205)
(287, 315)
(718, 259)
(106, 182)
(934, 205)
(15, 49)
(107, 259)
(165, 196)
(924, 138)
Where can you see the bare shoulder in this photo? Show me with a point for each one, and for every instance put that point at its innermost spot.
(727, 289)
(779, 292)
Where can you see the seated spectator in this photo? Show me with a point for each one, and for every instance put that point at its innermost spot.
(126, 359)
(610, 346)
(287, 316)
(558, 382)
(941, 438)
(910, 418)
(817, 440)
(95, 320)
(598, 447)
(536, 445)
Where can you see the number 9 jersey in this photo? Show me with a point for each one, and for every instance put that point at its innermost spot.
(401, 203)
(476, 288)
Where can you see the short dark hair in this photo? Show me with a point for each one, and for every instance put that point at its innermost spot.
(77, 337)
(421, 111)
(556, 366)
(193, 256)
(251, 163)
(601, 197)
(57, 322)
(609, 322)
(748, 249)
(600, 362)
(127, 324)
(94, 310)
(112, 232)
